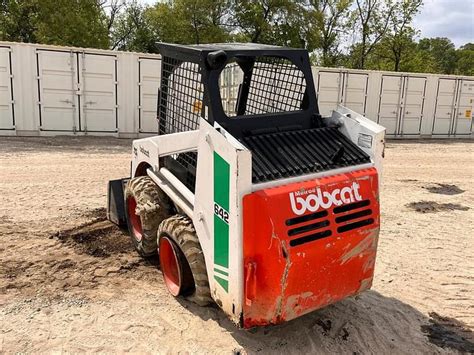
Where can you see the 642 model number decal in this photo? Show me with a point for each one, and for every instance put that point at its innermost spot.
(221, 213)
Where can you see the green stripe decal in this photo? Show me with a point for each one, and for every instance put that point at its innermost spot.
(221, 215)
(223, 283)
(221, 272)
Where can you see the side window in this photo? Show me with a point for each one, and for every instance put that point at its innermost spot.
(230, 80)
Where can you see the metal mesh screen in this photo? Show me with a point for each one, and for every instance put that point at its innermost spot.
(277, 85)
(181, 96)
(180, 109)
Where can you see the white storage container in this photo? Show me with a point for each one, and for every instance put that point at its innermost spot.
(50, 90)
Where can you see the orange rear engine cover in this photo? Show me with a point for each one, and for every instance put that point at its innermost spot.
(308, 244)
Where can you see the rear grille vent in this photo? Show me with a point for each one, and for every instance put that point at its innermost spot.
(317, 225)
(306, 218)
(293, 153)
(354, 218)
(307, 228)
(355, 215)
(310, 238)
(351, 206)
(297, 230)
(351, 226)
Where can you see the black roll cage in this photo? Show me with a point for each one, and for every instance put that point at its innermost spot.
(244, 54)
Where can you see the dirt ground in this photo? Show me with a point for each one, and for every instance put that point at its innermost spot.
(71, 282)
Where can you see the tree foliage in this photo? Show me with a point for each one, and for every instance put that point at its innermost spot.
(365, 34)
(397, 45)
(331, 20)
(190, 21)
(18, 20)
(131, 30)
(62, 22)
(75, 23)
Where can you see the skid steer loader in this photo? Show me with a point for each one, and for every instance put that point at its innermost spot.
(250, 197)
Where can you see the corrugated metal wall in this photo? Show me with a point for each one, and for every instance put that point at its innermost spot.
(407, 104)
(48, 90)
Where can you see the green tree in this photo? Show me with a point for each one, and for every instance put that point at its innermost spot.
(278, 22)
(18, 20)
(131, 29)
(371, 20)
(190, 21)
(465, 62)
(442, 52)
(330, 22)
(81, 23)
(397, 45)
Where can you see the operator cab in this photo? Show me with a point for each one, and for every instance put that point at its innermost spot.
(262, 95)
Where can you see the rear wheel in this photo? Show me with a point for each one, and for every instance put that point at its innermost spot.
(182, 260)
(146, 206)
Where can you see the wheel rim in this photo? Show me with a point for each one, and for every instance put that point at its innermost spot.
(134, 219)
(170, 266)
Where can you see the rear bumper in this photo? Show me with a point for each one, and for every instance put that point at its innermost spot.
(308, 244)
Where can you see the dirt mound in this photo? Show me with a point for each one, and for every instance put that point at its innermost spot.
(450, 333)
(87, 256)
(444, 189)
(99, 237)
(433, 207)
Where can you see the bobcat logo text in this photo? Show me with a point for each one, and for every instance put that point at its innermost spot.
(314, 199)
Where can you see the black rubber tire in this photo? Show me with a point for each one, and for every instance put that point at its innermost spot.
(181, 230)
(153, 206)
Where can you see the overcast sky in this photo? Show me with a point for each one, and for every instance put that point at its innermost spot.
(447, 18)
(440, 18)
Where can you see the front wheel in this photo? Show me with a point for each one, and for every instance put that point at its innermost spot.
(146, 206)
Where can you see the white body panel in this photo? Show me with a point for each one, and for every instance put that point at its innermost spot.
(149, 150)
(207, 141)
(239, 159)
(366, 134)
(6, 92)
